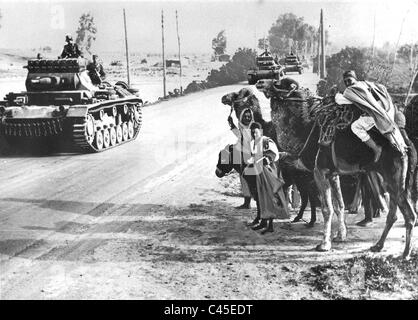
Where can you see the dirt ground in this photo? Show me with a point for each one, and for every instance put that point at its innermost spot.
(150, 220)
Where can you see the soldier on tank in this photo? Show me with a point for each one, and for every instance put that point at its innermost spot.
(71, 49)
(96, 71)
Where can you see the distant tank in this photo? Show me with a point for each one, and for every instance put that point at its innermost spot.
(267, 68)
(292, 64)
(61, 103)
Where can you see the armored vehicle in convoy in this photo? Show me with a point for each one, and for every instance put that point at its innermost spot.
(267, 68)
(292, 64)
(61, 103)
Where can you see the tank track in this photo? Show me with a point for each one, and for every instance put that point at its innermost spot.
(33, 127)
(105, 125)
(108, 125)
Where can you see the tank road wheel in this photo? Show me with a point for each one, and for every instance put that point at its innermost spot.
(99, 140)
(119, 135)
(137, 115)
(112, 136)
(106, 138)
(131, 130)
(90, 126)
(125, 133)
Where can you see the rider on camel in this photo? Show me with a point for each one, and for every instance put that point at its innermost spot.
(379, 111)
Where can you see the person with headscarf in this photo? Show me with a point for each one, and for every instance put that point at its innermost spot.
(261, 169)
(379, 111)
(243, 147)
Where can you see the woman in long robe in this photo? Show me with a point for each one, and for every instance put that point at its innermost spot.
(242, 146)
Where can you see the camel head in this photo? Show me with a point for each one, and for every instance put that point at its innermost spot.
(270, 87)
(241, 100)
(229, 98)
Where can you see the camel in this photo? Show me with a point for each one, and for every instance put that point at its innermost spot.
(343, 154)
(303, 180)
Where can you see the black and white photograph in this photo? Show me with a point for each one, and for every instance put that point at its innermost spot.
(191, 150)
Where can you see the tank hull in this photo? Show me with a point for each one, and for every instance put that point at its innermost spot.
(254, 75)
(88, 128)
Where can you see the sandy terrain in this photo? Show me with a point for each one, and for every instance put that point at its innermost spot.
(150, 220)
(146, 76)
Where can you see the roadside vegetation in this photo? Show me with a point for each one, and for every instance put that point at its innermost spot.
(232, 72)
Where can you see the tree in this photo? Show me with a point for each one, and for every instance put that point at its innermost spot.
(349, 58)
(404, 52)
(236, 69)
(290, 32)
(262, 43)
(86, 32)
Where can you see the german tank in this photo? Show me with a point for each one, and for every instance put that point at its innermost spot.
(292, 64)
(61, 103)
(267, 68)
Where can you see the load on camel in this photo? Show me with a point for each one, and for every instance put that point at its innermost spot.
(304, 181)
(330, 149)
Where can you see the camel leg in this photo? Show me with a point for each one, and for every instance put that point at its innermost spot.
(390, 220)
(410, 217)
(312, 203)
(401, 199)
(327, 208)
(356, 203)
(304, 202)
(339, 208)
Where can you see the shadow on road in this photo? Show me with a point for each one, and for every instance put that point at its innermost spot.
(199, 233)
(36, 147)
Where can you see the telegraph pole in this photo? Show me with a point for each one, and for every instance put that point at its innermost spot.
(126, 47)
(178, 41)
(322, 73)
(162, 29)
(318, 56)
(411, 58)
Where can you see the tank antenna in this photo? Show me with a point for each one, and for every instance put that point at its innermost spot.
(126, 47)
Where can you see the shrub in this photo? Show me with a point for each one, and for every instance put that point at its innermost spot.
(232, 72)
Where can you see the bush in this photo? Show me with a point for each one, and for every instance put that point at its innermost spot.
(349, 58)
(115, 63)
(376, 69)
(235, 70)
(232, 72)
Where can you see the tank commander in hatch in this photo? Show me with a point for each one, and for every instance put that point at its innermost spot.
(96, 71)
(71, 49)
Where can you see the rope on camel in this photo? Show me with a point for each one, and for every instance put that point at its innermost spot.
(330, 118)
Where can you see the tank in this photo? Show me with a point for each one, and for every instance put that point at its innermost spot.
(267, 68)
(292, 64)
(62, 104)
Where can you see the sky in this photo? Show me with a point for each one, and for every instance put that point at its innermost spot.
(33, 24)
